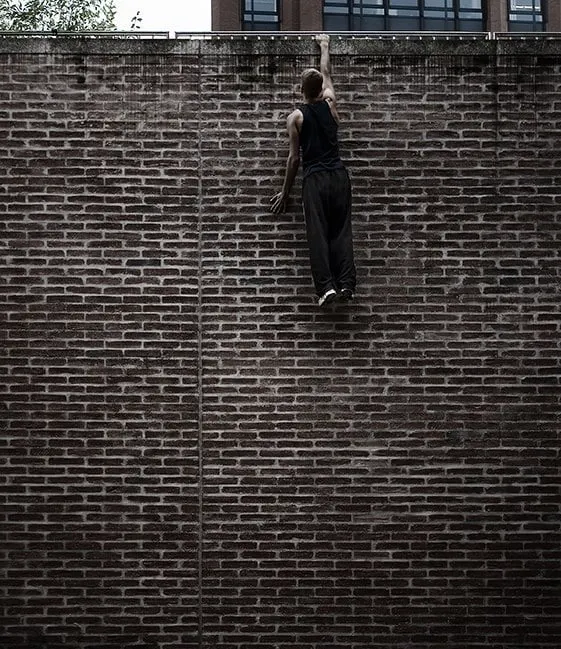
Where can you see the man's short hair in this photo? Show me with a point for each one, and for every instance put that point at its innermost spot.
(312, 83)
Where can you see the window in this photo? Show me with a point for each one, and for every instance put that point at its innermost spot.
(453, 15)
(404, 15)
(260, 15)
(526, 16)
(336, 16)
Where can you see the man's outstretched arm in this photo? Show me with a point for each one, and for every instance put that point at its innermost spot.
(278, 202)
(325, 69)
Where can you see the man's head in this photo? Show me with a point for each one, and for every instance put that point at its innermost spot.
(312, 83)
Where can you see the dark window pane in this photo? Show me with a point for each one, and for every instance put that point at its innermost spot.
(399, 23)
(521, 26)
(335, 23)
(439, 25)
(471, 26)
(368, 23)
(336, 6)
(260, 27)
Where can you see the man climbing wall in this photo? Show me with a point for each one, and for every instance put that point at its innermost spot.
(326, 188)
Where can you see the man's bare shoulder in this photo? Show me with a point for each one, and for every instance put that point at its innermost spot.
(294, 121)
(295, 115)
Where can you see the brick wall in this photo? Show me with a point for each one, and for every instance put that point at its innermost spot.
(193, 454)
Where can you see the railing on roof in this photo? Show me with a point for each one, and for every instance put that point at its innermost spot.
(522, 35)
(280, 35)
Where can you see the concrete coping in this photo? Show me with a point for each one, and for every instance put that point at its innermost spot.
(279, 43)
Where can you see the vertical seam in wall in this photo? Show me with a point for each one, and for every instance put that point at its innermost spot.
(200, 345)
(496, 75)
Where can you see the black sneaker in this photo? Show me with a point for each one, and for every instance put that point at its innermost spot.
(346, 295)
(327, 297)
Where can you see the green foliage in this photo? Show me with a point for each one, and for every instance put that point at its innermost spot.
(62, 15)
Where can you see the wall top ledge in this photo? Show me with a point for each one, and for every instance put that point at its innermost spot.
(283, 44)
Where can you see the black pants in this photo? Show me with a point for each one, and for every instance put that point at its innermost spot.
(326, 196)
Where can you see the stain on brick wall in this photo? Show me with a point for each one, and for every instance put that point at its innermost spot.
(193, 454)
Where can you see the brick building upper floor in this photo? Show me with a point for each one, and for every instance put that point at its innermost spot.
(387, 15)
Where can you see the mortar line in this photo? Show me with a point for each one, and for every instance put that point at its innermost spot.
(200, 347)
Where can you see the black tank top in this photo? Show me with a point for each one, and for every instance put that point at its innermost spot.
(318, 139)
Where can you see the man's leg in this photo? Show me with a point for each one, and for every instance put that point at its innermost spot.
(314, 199)
(340, 232)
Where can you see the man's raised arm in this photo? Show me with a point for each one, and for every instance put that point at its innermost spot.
(325, 68)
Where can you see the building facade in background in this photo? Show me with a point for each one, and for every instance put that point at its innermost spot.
(387, 15)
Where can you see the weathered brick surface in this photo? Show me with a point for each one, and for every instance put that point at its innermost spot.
(193, 455)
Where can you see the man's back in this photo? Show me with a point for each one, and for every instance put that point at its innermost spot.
(318, 138)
